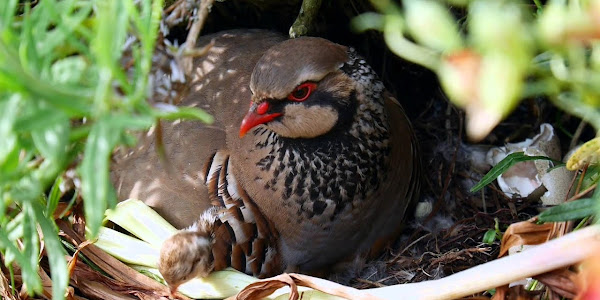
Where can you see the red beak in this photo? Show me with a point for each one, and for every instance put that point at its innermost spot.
(254, 118)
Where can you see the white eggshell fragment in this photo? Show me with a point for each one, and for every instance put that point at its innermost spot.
(531, 178)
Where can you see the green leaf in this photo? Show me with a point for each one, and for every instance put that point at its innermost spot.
(431, 23)
(3, 204)
(14, 228)
(7, 10)
(122, 122)
(27, 189)
(31, 249)
(572, 210)
(97, 190)
(12, 254)
(8, 140)
(28, 56)
(575, 104)
(52, 140)
(53, 196)
(492, 235)
(368, 21)
(56, 253)
(11, 162)
(17, 77)
(38, 118)
(67, 21)
(69, 70)
(489, 237)
(171, 112)
(62, 59)
(509, 161)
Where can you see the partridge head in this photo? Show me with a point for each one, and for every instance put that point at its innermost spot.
(299, 91)
(320, 168)
(188, 253)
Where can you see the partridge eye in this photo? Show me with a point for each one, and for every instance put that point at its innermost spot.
(302, 92)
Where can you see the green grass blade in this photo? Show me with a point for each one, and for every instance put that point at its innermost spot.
(67, 21)
(53, 197)
(567, 211)
(509, 161)
(8, 139)
(170, 112)
(55, 252)
(8, 8)
(96, 188)
(31, 249)
(12, 254)
(51, 141)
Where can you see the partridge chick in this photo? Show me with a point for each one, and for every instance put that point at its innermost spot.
(321, 167)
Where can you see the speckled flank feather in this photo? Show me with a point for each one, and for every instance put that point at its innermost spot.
(244, 239)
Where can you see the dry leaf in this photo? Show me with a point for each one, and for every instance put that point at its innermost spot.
(501, 293)
(529, 233)
(561, 281)
(5, 290)
(46, 284)
(94, 285)
(525, 233)
(263, 288)
(519, 292)
(73, 261)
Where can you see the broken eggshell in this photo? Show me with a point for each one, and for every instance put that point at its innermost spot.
(533, 179)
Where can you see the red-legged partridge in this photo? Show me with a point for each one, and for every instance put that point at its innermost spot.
(321, 167)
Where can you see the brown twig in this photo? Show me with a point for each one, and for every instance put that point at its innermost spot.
(584, 192)
(577, 134)
(190, 42)
(585, 168)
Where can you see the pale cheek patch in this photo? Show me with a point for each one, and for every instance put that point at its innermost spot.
(299, 121)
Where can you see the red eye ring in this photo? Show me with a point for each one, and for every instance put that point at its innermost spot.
(302, 92)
